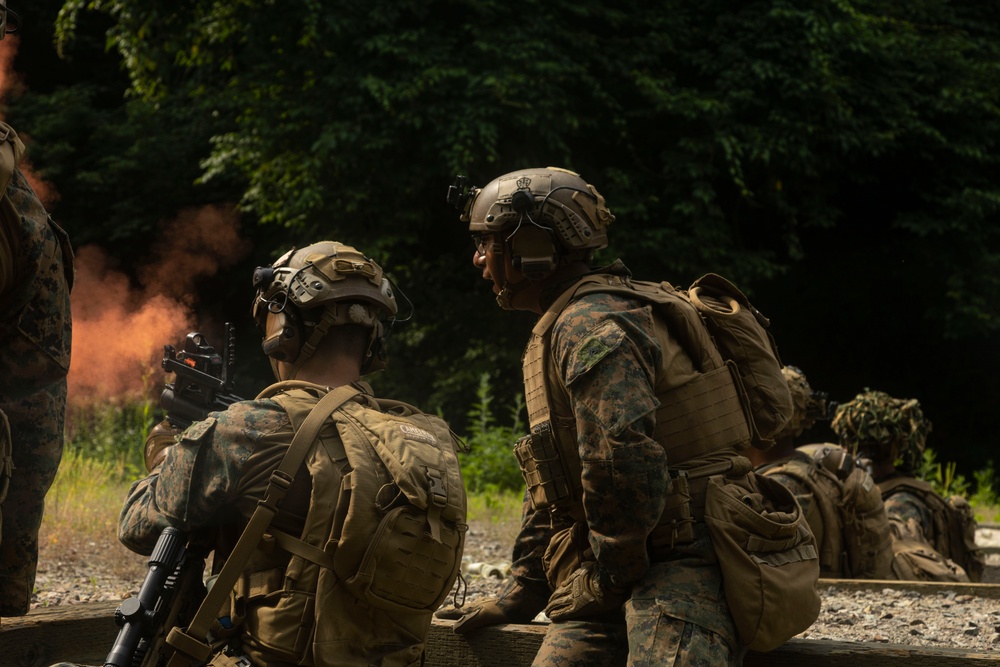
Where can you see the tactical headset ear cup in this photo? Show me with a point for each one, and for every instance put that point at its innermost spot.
(533, 252)
(282, 336)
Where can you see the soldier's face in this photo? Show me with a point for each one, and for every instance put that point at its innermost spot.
(484, 259)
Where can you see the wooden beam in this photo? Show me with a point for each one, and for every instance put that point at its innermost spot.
(84, 633)
(991, 591)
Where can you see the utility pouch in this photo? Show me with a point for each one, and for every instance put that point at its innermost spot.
(676, 524)
(538, 456)
(567, 550)
(768, 558)
(914, 560)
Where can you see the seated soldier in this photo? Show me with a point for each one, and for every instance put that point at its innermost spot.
(933, 538)
(839, 499)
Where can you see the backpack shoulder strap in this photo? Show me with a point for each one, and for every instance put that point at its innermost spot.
(189, 644)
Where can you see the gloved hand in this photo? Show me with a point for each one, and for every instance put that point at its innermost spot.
(585, 593)
(475, 616)
(516, 604)
(161, 436)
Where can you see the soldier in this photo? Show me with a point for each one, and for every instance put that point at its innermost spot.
(933, 537)
(840, 500)
(36, 275)
(599, 551)
(319, 310)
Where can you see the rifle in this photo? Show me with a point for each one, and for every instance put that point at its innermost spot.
(169, 596)
(204, 379)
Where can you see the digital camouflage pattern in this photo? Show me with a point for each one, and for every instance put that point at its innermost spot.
(212, 478)
(613, 360)
(876, 425)
(36, 335)
(910, 517)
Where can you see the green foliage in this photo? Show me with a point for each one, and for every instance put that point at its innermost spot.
(111, 435)
(987, 486)
(490, 467)
(943, 477)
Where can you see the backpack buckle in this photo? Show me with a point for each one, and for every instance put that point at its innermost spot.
(437, 488)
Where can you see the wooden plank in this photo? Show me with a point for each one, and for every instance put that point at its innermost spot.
(72, 633)
(84, 633)
(991, 591)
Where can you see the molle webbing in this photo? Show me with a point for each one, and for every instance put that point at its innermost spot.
(702, 416)
(694, 420)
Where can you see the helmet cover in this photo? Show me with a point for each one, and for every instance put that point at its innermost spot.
(553, 199)
(801, 392)
(884, 428)
(310, 289)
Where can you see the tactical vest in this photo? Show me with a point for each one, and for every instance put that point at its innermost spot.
(847, 518)
(380, 548)
(704, 418)
(954, 523)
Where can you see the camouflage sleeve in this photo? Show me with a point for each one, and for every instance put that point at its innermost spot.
(909, 517)
(529, 545)
(203, 473)
(801, 492)
(607, 354)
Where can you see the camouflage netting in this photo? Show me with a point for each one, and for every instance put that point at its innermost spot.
(882, 427)
(801, 393)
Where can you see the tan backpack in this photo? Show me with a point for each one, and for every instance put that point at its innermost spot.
(954, 536)
(365, 582)
(741, 336)
(855, 542)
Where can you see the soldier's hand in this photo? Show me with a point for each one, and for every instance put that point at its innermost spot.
(585, 593)
(161, 436)
(474, 616)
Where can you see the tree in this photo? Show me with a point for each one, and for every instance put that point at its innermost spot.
(749, 138)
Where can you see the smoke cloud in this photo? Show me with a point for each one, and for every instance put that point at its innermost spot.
(120, 326)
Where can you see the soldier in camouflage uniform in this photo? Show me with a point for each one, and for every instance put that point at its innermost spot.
(851, 529)
(36, 275)
(933, 537)
(593, 552)
(319, 310)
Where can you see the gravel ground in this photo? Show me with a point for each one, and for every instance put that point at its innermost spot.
(94, 572)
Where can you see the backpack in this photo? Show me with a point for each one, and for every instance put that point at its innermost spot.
(954, 533)
(855, 540)
(379, 551)
(740, 334)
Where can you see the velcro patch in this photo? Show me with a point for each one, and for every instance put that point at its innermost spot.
(411, 432)
(198, 430)
(596, 345)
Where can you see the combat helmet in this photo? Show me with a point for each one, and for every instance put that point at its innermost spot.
(877, 426)
(542, 217)
(801, 393)
(308, 290)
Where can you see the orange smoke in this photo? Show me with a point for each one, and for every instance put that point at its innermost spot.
(119, 329)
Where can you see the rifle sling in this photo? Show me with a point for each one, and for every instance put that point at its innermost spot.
(190, 645)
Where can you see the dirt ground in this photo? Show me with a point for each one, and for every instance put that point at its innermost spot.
(73, 572)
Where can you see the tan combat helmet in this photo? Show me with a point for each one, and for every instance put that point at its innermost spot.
(801, 392)
(881, 427)
(542, 217)
(307, 291)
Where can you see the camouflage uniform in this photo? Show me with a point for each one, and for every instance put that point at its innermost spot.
(910, 517)
(676, 612)
(35, 327)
